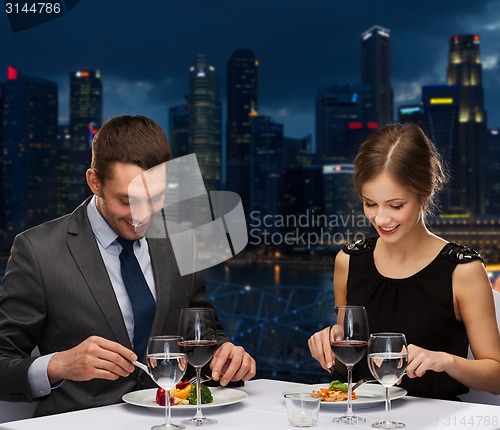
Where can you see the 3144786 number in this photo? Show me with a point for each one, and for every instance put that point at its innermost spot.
(35, 7)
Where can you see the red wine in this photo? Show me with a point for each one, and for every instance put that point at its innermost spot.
(199, 352)
(349, 352)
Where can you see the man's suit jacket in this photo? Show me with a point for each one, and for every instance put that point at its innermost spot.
(56, 293)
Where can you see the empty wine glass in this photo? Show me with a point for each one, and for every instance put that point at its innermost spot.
(197, 326)
(350, 340)
(167, 364)
(387, 359)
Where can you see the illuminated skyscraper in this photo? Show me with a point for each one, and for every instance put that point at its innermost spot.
(465, 71)
(178, 130)
(411, 113)
(242, 106)
(340, 122)
(440, 106)
(85, 118)
(339, 198)
(376, 71)
(2, 207)
(493, 182)
(297, 152)
(29, 140)
(205, 120)
(303, 190)
(63, 163)
(266, 166)
(242, 101)
(2, 97)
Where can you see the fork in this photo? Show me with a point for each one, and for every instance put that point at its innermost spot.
(361, 382)
(205, 378)
(143, 367)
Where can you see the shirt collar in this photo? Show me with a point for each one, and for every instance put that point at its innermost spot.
(104, 234)
(102, 231)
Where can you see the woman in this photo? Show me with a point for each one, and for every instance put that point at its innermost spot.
(411, 280)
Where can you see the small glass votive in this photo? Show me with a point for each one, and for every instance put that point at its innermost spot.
(302, 409)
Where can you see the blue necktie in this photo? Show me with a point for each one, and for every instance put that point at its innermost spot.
(143, 303)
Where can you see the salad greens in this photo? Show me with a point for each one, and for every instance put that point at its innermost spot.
(337, 385)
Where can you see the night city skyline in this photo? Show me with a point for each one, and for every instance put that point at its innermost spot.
(144, 51)
(341, 147)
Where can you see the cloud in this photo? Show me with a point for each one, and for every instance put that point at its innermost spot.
(490, 21)
(283, 112)
(122, 96)
(126, 93)
(494, 26)
(407, 92)
(169, 90)
(410, 91)
(489, 62)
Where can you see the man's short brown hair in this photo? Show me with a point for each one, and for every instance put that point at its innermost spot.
(128, 139)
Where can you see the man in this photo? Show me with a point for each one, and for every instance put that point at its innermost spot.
(65, 291)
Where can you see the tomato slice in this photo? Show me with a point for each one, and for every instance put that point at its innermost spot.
(160, 396)
(182, 384)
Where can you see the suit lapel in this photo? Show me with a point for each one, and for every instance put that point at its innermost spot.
(85, 251)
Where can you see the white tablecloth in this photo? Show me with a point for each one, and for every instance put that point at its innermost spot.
(264, 409)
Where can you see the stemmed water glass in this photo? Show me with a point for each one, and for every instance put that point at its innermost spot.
(350, 340)
(197, 326)
(387, 359)
(167, 364)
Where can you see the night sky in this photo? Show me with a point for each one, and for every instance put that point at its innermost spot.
(144, 48)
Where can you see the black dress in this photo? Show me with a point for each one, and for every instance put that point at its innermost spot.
(420, 306)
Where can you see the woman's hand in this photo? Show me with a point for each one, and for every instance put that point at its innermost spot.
(320, 345)
(421, 360)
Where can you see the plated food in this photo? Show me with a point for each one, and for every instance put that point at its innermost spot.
(367, 395)
(335, 392)
(222, 397)
(184, 394)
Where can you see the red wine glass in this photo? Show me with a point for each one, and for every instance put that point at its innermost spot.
(198, 328)
(349, 341)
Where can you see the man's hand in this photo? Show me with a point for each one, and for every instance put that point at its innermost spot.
(95, 357)
(232, 363)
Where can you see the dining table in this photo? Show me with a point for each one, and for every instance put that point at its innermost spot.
(260, 405)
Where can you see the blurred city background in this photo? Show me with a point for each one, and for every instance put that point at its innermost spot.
(297, 191)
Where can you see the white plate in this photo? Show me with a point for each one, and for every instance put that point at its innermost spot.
(222, 397)
(367, 395)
